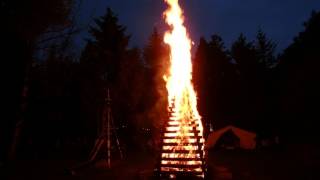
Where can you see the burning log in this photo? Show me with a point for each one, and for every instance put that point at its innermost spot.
(182, 142)
(182, 151)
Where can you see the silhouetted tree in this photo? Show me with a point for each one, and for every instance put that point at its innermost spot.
(107, 61)
(23, 22)
(100, 64)
(245, 56)
(265, 49)
(215, 81)
(54, 107)
(200, 78)
(156, 58)
(218, 69)
(298, 72)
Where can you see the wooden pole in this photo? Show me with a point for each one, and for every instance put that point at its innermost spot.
(108, 128)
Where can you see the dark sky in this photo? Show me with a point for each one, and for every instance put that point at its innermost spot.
(280, 19)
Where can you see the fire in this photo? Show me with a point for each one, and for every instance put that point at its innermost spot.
(179, 85)
(183, 140)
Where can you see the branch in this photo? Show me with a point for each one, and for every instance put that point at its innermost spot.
(58, 36)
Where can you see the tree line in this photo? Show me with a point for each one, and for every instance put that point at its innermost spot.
(54, 106)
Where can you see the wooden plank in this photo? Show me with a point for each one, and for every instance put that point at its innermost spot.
(190, 131)
(182, 173)
(181, 159)
(177, 137)
(182, 166)
(176, 151)
(182, 144)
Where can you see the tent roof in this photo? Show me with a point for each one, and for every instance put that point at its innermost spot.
(247, 139)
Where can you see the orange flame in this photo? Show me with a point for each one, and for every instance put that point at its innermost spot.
(184, 129)
(181, 94)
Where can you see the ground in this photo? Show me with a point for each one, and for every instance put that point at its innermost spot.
(297, 161)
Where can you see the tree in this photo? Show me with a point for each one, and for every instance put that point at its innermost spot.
(110, 44)
(100, 64)
(225, 82)
(251, 106)
(199, 71)
(107, 61)
(214, 78)
(265, 49)
(156, 57)
(23, 22)
(53, 107)
(298, 72)
(244, 53)
(156, 52)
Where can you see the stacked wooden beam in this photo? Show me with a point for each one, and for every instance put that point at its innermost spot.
(182, 152)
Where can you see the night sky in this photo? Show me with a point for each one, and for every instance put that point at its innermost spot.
(280, 19)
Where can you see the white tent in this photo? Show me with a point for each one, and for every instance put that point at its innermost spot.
(247, 139)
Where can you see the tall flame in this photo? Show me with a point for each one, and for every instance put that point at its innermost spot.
(183, 149)
(181, 94)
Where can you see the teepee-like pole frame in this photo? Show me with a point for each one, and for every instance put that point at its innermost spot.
(104, 138)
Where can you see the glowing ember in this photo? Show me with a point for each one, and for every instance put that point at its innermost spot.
(183, 141)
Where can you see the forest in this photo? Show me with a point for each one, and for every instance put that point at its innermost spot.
(53, 99)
